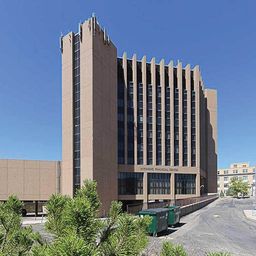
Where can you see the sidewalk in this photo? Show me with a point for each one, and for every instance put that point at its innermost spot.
(33, 220)
(250, 214)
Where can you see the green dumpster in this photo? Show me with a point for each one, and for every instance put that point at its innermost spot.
(159, 219)
(174, 215)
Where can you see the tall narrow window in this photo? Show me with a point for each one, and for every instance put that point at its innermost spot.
(158, 118)
(167, 120)
(120, 119)
(149, 118)
(184, 120)
(76, 113)
(176, 120)
(130, 114)
(139, 115)
(193, 123)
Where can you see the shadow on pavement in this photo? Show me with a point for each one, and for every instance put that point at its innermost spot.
(170, 230)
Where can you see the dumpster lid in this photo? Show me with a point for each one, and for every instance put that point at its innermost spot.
(173, 207)
(154, 210)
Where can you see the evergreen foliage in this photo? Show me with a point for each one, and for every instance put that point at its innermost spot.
(170, 249)
(15, 240)
(78, 230)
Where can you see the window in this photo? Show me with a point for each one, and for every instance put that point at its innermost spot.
(158, 119)
(76, 113)
(245, 178)
(235, 171)
(225, 178)
(159, 183)
(245, 170)
(225, 171)
(185, 183)
(130, 183)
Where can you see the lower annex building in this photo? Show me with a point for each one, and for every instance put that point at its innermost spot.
(145, 131)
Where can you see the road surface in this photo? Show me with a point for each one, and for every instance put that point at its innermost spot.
(220, 226)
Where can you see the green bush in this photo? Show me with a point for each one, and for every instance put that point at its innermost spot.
(170, 249)
(218, 254)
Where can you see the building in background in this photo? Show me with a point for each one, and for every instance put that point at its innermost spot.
(143, 130)
(241, 171)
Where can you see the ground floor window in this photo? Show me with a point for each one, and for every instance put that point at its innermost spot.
(185, 184)
(130, 183)
(159, 183)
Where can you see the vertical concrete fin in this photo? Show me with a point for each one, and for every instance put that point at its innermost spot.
(144, 82)
(153, 82)
(197, 91)
(171, 85)
(125, 107)
(179, 76)
(134, 77)
(67, 115)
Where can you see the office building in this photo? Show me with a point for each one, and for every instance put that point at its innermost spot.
(241, 171)
(145, 131)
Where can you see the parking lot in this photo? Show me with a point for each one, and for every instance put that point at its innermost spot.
(220, 226)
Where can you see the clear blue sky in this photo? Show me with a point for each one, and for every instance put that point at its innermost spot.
(218, 35)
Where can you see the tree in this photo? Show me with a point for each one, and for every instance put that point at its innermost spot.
(78, 230)
(15, 239)
(230, 192)
(237, 186)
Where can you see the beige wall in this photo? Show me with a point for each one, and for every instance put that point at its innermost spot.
(211, 127)
(98, 72)
(98, 111)
(67, 115)
(29, 179)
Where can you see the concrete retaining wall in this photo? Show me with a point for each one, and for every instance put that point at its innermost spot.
(195, 206)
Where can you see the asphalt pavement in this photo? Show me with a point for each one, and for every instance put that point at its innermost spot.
(220, 226)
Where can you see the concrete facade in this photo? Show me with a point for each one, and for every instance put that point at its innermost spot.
(125, 120)
(29, 179)
(89, 67)
(241, 171)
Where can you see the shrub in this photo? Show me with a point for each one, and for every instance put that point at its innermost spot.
(169, 249)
